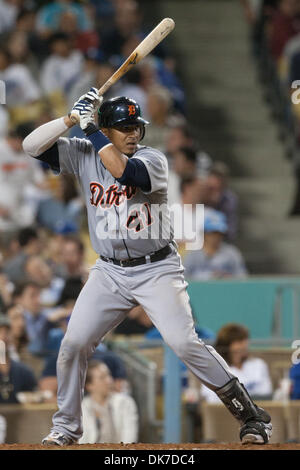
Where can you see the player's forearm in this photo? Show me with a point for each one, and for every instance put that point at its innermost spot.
(42, 138)
(113, 160)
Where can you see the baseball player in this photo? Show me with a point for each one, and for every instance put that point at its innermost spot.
(122, 181)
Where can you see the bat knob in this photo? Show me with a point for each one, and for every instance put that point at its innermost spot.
(73, 118)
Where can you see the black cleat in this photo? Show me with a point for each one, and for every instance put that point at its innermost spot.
(257, 432)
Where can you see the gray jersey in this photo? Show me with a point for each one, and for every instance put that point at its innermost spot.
(111, 291)
(124, 222)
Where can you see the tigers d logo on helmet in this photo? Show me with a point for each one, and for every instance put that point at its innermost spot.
(131, 109)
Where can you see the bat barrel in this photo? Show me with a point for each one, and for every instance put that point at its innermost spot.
(142, 50)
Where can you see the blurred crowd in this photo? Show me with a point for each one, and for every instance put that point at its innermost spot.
(50, 54)
(275, 38)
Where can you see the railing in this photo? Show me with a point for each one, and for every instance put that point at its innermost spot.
(143, 377)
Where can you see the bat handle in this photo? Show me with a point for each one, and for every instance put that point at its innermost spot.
(105, 87)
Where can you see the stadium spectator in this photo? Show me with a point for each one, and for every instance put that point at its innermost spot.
(37, 270)
(8, 13)
(127, 23)
(60, 70)
(217, 259)
(47, 386)
(49, 17)
(19, 178)
(25, 23)
(22, 89)
(104, 11)
(9, 247)
(18, 335)
(65, 304)
(116, 367)
(137, 322)
(177, 137)
(15, 376)
(192, 190)
(148, 73)
(30, 244)
(38, 320)
(107, 416)
(53, 254)
(159, 104)
(232, 344)
(110, 358)
(185, 162)
(157, 72)
(6, 288)
(18, 48)
(94, 70)
(73, 258)
(284, 24)
(221, 198)
(132, 87)
(180, 162)
(181, 137)
(294, 376)
(187, 214)
(63, 208)
(81, 40)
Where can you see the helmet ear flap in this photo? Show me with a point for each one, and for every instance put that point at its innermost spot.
(142, 132)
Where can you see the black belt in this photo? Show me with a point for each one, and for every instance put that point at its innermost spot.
(126, 263)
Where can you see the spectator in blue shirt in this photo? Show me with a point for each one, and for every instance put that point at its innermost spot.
(63, 208)
(66, 303)
(48, 18)
(217, 259)
(295, 382)
(38, 321)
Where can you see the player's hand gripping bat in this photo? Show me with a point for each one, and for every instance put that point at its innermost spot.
(142, 50)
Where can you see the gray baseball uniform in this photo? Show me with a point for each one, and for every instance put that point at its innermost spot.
(112, 290)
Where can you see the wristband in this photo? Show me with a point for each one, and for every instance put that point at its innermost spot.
(98, 139)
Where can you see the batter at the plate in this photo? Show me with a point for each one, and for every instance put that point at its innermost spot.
(138, 261)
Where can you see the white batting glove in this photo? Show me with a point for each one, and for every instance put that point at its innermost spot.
(92, 96)
(84, 109)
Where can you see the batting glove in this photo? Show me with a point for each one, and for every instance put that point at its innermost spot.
(84, 109)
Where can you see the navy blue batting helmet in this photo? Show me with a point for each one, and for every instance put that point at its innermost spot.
(120, 111)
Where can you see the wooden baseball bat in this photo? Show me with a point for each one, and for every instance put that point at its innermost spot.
(142, 50)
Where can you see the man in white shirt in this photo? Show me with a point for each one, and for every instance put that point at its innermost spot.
(18, 177)
(20, 86)
(107, 416)
(63, 66)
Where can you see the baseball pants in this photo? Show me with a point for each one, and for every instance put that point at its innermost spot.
(108, 295)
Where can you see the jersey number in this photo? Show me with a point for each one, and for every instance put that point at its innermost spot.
(138, 220)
